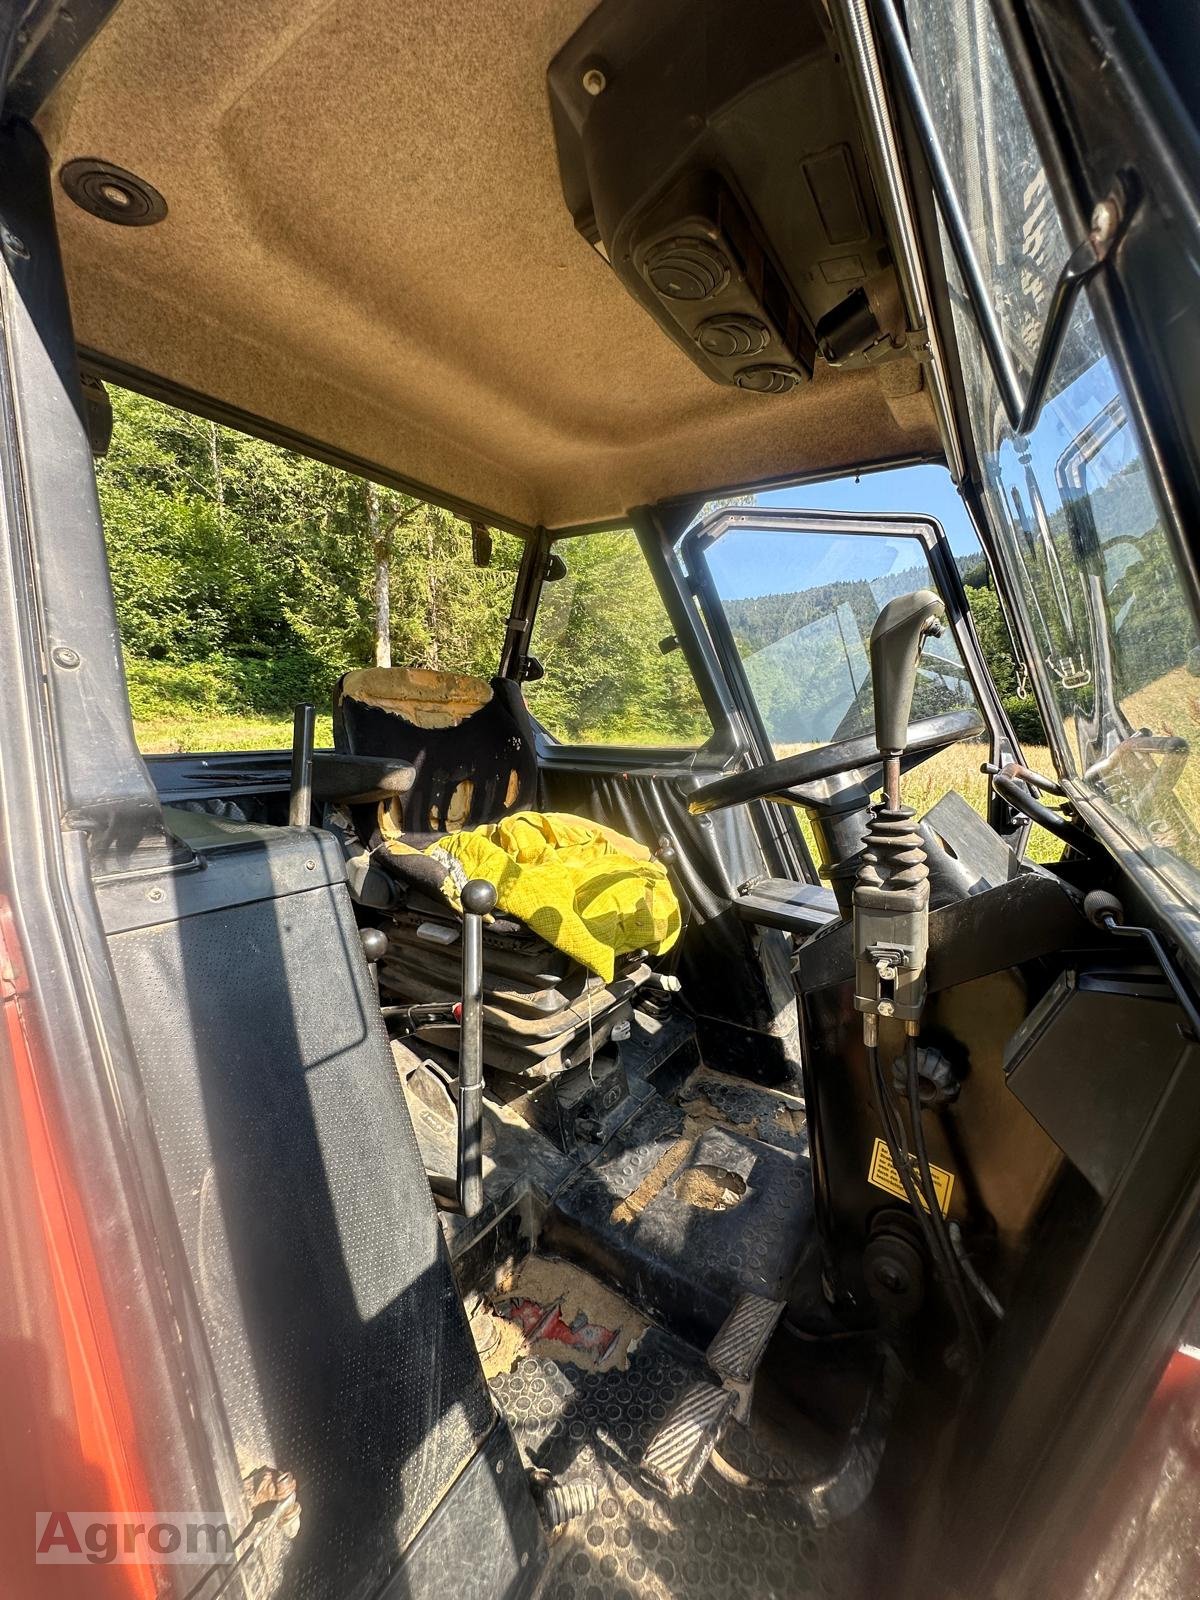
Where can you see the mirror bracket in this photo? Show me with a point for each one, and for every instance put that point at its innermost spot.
(481, 544)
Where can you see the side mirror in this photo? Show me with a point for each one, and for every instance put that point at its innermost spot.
(531, 670)
(481, 544)
(556, 568)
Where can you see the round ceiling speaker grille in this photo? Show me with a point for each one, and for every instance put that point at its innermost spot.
(111, 193)
(687, 269)
(769, 379)
(733, 335)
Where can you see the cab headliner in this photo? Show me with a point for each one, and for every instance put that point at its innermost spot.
(367, 244)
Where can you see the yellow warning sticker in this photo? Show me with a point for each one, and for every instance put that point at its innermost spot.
(882, 1173)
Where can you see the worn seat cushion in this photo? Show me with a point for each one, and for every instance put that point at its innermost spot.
(469, 742)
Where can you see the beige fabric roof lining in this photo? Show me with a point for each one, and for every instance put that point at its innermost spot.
(367, 244)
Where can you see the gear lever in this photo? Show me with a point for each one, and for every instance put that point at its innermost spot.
(900, 630)
(891, 896)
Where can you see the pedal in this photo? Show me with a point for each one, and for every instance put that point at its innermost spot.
(679, 1451)
(739, 1346)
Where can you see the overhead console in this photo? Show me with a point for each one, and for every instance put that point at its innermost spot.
(669, 142)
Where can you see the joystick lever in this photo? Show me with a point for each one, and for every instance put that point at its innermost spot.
(891, 895)
(900, 630)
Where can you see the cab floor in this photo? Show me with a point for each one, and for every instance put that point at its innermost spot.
(729, 1537)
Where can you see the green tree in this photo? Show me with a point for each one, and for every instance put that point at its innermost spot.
(248, 577)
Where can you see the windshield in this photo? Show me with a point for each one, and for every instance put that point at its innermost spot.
(800, 607)
(1082, 537)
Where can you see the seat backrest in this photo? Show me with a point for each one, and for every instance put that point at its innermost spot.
(470, 741)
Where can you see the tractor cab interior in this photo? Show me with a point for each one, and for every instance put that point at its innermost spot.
(697, 1153)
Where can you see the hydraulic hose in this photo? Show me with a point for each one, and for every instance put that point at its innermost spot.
(951, 1266)
(944, 1262)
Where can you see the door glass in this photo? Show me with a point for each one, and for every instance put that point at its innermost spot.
(1016, 233)
(600, 633)
(1074, 505)
(801, 607)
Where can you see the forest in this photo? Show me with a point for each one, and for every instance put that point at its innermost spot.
(248, 577)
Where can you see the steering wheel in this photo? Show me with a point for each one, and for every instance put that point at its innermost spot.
(779, 780)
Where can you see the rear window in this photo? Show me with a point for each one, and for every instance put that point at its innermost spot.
(603, 636)
(249, 577)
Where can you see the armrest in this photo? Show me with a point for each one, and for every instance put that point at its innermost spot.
(357, 779)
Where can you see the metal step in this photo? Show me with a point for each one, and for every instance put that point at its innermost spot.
(680, 1450)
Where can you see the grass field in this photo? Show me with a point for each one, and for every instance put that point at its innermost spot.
(160, 736)
(958, 768)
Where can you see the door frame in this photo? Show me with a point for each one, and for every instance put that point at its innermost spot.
(929, 534)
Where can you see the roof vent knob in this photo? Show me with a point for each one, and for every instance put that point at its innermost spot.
(769, 379)
(733, 335)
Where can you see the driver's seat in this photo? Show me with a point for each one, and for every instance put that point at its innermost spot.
(469, 744)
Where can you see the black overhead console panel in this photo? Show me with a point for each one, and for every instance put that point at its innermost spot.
(669, 121)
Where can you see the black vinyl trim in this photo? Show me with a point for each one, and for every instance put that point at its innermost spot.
(49, 37)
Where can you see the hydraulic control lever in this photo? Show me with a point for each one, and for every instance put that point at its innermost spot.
(900, 630)
(891, 896)
(891, 939)
(478, 901)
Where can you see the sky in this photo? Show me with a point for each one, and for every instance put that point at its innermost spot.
(746, 562)
(925, 489)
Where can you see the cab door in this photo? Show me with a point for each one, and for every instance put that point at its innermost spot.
(790, 597)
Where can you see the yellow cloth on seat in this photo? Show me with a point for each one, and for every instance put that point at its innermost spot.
(584, 888)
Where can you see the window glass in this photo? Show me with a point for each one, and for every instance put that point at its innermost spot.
(993, 160)
(1080, 528)
(248, 577)
(801, 607)
(599, 634)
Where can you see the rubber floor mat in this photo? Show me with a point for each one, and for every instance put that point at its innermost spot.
(594, 1425)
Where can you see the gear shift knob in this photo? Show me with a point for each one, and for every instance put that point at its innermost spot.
(900, 630)
(478, 897)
